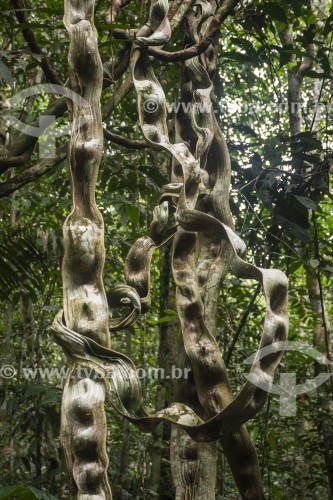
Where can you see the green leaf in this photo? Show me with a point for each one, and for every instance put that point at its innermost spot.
(7, 492)
(33, 25)
(324, 61)
(165, 319)
(36, 56)
(293, 228)
(133, 213)
(254, 433)
(328, 25)
(245, 129)
(275, 12)
(315, 74)
(314, 263)
(34, 390)
(247, 46)
(307, 141)
(277, 493)
(237, 56)
(5, 74)
(285, 55)
(42, 495)
(296, 5)
(271, 440)
(24, 493)
(171, 312)
(294, 266)
(328, 269)
(306, 202)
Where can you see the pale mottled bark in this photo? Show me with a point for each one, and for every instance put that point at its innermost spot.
(322, 330)
(295, 79)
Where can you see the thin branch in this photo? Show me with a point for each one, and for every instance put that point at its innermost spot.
(118, 65)
(322, 304)
(197, 49)
(118, 96)
(46, 164)
(15, 161)
(241, 325)
(33, 173)
(121, 34)
(23, 144)
(194, 50)
(116, 5)
(33, 45)
(124, 141)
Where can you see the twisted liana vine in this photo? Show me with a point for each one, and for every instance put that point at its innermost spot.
(83, 422)
(196, 124)
(82, 329)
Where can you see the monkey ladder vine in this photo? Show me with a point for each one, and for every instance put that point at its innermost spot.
(192, 214)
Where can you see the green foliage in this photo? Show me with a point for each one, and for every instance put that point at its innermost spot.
(24, 493)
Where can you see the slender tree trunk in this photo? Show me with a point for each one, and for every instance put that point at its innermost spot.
(160, 478)
(295, 79)
(8, 327)
(122, 478)
(28, 324)
(320, 342)
(322, 329)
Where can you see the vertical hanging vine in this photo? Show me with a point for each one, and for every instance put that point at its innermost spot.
(82, 329)
(83, 422)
